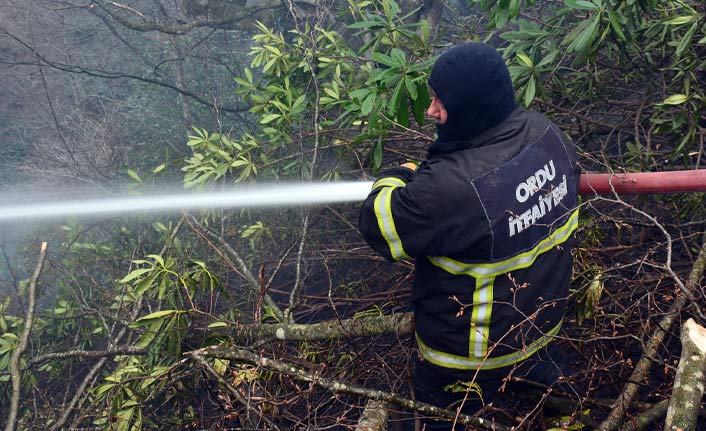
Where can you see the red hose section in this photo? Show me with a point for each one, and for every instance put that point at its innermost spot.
(643, 183)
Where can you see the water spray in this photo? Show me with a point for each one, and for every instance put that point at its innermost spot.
(287, 195)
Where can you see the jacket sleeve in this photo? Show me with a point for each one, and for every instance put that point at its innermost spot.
(396, 218)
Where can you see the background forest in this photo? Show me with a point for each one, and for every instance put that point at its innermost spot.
(283, 318)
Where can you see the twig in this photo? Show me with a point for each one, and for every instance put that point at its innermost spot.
(647, 417)
(232, 390)
(615, 418)
(296, 293)
(14, 365)
(247, 356)
(129, 9)
(244, 271)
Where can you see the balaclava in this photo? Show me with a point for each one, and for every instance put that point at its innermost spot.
(473, 83)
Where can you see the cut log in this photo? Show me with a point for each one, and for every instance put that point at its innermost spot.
(689, 382)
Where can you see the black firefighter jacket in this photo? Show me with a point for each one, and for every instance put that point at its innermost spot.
(490, 227)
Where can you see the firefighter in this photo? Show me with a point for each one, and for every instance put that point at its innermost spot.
(488, 218)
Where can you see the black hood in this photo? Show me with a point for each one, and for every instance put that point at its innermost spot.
(474, 85)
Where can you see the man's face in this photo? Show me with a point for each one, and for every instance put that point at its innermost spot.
(436, 110)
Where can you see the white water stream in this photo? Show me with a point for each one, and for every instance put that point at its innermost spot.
(264, 195)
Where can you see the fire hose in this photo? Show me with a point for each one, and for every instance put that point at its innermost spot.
(298, 194)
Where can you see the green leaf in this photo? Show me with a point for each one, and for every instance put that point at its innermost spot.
(616, 23)
(365, 24)
(581, 4)
(156, 315)
(157, 258)
(530, 91)
(686, 40)
(252, 230)
(584, 37)
(217, 325)
(676, 99)
(411, 88)
(134, 176)
(376, 158)
(524, 59)
(386, 60)
(162, 290)
(331, 92)
(102, 389)
(269, 118)
(134, 274)
(394, 100)
(679, 20)
(402, 111)
(398, 56)
(501, 17)
(159, 168)
(367, 105)
(146, 338)
(420, 104)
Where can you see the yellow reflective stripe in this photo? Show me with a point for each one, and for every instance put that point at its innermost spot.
(522, 260)
(480, 317)
(448, 360)
(383, 213)
(389, 181)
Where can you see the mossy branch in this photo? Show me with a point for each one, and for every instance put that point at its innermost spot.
(399, 324)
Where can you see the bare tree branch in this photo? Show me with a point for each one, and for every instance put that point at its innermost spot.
(72, 68)
(244, 270)
(222, 22)
(615, 418)
(14, 365)
(247, 356)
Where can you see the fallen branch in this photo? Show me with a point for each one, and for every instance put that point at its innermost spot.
(688, 386)
(243, 355)
(14, 365)
(399, 324)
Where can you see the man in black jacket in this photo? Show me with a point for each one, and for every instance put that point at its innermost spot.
(489, 218)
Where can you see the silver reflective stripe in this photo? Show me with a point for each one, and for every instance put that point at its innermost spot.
(388, 181)
(448, 360)
(522, 260)
(480, 317)
(383, 213)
